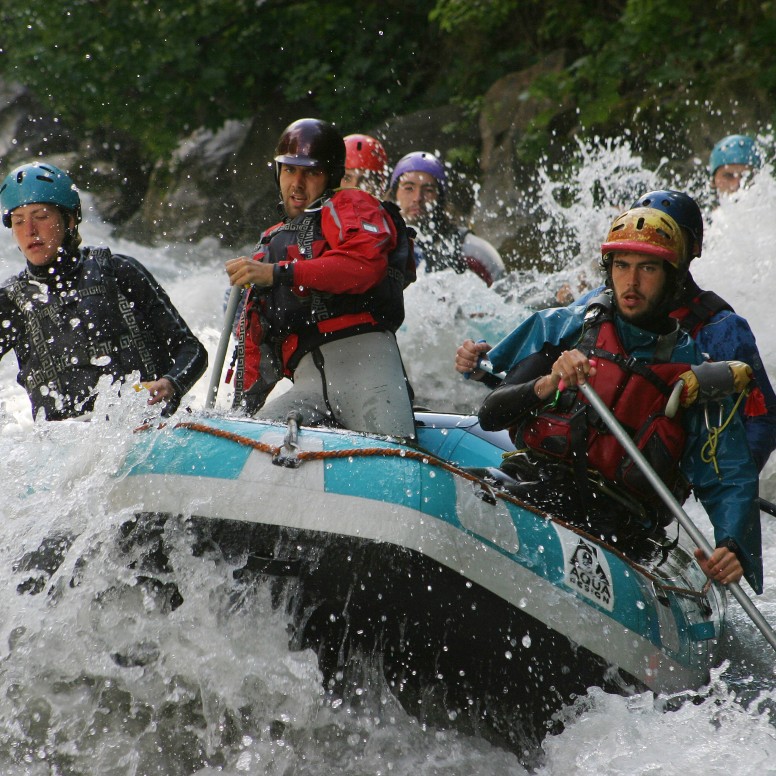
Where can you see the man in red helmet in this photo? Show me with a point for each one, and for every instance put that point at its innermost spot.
(326, 296)
(366, 165)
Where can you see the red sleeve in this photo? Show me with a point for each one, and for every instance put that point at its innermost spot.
(359, 235)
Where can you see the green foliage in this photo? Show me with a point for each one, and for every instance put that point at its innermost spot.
(484, 16)
(157, 71)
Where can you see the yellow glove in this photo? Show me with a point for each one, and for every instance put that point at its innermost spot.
(742, 375)
(713, 381)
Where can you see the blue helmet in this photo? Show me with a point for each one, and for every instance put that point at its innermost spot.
(38, 182)
(683, 209)
(734, 149)
(420, 161)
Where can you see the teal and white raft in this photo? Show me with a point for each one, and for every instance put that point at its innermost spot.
(479, 607)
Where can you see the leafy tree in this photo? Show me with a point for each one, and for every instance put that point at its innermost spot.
(156, 71)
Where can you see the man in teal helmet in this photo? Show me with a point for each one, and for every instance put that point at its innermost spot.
(733, 161)
(75, 314)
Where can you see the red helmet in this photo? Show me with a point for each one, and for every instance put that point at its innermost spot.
(312, 143)
(364, 153)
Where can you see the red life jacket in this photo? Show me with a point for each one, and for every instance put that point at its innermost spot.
(636, 393)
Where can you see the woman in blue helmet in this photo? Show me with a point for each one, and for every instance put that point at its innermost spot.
(733, 161)
(419, 187)
(75, 314)
(719, 332)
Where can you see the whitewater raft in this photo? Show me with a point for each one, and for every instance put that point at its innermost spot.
(477, 606)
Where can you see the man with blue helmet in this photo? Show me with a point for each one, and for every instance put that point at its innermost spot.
(721, 334)
(75, 314)
(733, 161)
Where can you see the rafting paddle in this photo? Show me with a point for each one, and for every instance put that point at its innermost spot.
(223, 343)
(767, 506)
(668, 498)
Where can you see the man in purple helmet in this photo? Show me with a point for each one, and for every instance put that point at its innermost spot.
(325, 297)
(419, 187)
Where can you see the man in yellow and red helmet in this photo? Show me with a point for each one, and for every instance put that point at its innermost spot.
(325, 297)
(719, 331)
(577, 470)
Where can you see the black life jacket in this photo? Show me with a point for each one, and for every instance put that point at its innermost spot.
(76, 335)
(637, 394)
(295, 324)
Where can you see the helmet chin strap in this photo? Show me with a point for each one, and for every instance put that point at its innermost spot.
(72, 240)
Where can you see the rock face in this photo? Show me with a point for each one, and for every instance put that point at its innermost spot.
(107, 165)
(215, 184)
(508, 109)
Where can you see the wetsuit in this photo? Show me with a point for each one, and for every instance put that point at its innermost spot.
(460, 250)
(89, 314)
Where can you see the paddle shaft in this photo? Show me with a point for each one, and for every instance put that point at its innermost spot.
(485, 365)
(767, 507)
(668, 498)
(223, 344)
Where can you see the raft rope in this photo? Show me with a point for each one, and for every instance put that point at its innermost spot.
(427, 458)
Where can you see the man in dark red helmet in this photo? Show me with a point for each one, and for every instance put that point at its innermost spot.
(326, 296)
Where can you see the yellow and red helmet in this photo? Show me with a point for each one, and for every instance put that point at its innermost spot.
(648, 231)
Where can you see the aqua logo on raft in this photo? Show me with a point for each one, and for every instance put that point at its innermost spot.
(586, 569)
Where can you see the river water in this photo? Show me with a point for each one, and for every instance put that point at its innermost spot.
(101, 675)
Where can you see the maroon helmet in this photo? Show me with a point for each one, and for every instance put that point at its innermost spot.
(312, 143)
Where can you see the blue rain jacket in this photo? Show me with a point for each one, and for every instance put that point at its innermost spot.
(727, 336)
(730, 499)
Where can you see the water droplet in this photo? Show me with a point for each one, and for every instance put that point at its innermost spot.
(526, 641)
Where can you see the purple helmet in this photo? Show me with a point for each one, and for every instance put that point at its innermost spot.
(420, 161)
